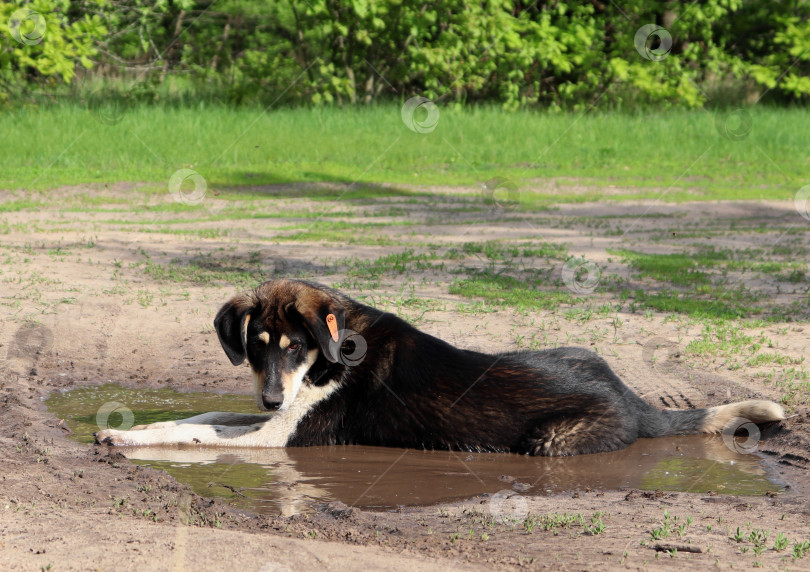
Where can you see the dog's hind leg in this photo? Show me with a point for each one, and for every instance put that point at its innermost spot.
(577, 435)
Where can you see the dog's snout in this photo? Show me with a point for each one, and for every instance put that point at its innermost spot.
(272, 400)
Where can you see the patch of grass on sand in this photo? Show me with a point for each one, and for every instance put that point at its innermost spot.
(680, 269)
(503, 290)
(205, 270)
(336, 231)
(725, 304)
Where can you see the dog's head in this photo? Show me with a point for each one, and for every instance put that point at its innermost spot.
(281, 328)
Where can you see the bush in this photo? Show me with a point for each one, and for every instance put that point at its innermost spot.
(350, 52)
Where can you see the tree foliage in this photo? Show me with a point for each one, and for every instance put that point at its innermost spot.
(351, 52)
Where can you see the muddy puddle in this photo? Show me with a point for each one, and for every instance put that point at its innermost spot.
(293, 480)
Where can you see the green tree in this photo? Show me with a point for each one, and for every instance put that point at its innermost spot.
(352, 52)
(42, 46)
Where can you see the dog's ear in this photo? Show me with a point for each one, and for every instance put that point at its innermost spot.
(231, 325)
(324, 317)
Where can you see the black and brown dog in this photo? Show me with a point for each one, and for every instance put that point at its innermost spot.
(336, 371)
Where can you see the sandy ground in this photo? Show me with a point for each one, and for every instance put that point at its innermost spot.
(83, 310)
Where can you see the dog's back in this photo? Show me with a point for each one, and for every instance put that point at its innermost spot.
(414, 390)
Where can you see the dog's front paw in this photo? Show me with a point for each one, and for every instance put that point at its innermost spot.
(111, 437)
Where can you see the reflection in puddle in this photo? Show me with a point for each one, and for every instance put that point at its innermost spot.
(288, 481)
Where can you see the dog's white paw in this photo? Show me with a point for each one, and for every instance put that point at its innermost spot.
(111, 437)
(117, 438)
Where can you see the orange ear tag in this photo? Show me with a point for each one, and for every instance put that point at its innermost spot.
(331, 323)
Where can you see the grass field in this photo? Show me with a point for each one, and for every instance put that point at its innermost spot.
(680, 155)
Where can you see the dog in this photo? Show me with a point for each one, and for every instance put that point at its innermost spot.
(335, 371)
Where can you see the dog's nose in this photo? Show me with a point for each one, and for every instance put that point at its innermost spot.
(272, 401)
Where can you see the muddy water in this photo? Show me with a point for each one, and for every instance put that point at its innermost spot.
(288, 481)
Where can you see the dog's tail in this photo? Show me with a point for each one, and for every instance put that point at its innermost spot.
(724, 418)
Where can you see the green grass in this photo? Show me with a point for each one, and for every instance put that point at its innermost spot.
(503, 290)
(335, 231)
(14, 206)
(726, 339)
(680, 269)
(696, 281)
(722, 304)
(371, 271)
(688, 268)
(206, 270)
(493, 250)
(678, 154)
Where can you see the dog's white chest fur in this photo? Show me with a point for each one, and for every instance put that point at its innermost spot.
(282, 425)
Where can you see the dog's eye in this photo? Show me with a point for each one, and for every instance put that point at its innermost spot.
(292, 347)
